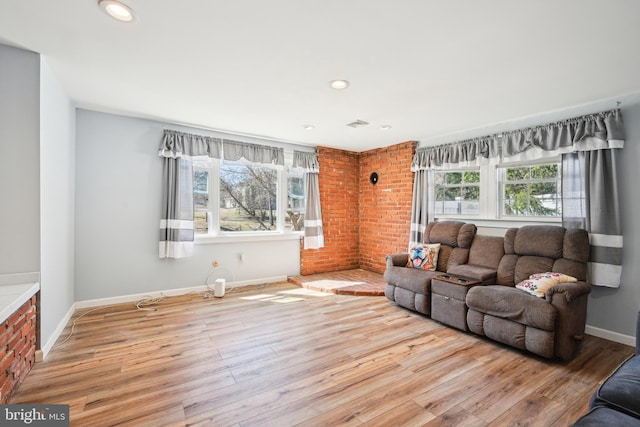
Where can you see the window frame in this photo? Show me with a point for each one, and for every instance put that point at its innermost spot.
(434, 189)
(501, 181)
(489, 217)
(215, 235)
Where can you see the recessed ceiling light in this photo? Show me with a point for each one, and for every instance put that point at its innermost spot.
(385, 127)
(339, 84)
(309, 127)
(117, 10)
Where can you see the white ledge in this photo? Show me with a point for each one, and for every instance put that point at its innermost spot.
(203, 239)
(12, 296)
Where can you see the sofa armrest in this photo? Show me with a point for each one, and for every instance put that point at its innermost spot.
(397, 260)
(570, 301)
(571, 291)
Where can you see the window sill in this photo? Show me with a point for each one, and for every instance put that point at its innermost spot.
(509, 222)
(270, 237)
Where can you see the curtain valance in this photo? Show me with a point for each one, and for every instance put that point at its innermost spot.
(177, 144)
(597, 131)
(467, 151)
(234, 150)
(180, 144)
(307, 161)
(593, 132)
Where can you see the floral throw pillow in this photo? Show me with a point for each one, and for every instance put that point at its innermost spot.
(537, 284)
(424, 257)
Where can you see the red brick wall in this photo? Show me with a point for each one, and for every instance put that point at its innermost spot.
(362, 223)
(339, 203)
(17, 348)
(385, 208)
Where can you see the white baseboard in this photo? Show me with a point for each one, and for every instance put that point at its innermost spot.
(611, 336)
(46, 348)
(171, 292)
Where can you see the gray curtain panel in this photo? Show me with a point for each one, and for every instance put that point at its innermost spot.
(176, 225)
(419, 206)
(176, 220)
(313, 230)
(590, 201)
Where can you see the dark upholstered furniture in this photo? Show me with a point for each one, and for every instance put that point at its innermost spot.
(551, 326)
(410, 287)
(617, 400)
(448, 294)
(484, 258)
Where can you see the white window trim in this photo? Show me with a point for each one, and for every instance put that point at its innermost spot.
(215, 235)
(482, 202)
(490, 198)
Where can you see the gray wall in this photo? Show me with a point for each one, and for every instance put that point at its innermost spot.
(118, 196)
(19, 161)
(57, 204)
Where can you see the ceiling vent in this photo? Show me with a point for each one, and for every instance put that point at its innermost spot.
(357, 123)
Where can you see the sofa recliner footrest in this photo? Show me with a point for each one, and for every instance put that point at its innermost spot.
(512, 304)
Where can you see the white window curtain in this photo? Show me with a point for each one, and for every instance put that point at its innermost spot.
(313, 231)
(176, 221)
(590, 147)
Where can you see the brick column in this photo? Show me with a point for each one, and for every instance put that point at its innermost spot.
(362, 223)
(385, 208)
(17, 348)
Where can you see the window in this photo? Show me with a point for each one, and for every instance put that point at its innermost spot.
(239, 197)
(531, 190)
(294, 221)
(457, 192)
(248, 198)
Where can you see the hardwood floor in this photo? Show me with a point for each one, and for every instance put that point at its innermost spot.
(284, 355)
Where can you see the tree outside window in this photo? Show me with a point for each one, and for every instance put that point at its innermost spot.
(457, 192)
(245, 198)
(248, 198)
(532, 190)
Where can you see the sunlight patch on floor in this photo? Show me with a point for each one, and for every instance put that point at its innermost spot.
(306, 292)
(272, 298)
(333, 284)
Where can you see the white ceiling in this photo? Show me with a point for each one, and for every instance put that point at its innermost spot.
(427, 68)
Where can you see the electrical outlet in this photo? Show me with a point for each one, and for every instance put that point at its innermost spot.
(215, 263)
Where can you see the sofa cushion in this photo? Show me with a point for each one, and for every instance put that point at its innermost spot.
(528, 265)
(424, 256)
(576, 245)
(602, 416)
(537, 284)
(486, 274)
(486, 251)
(450, 233)
(445, 232)
(621, 390)
(413, 279)
(539, 240)
(510, 303)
